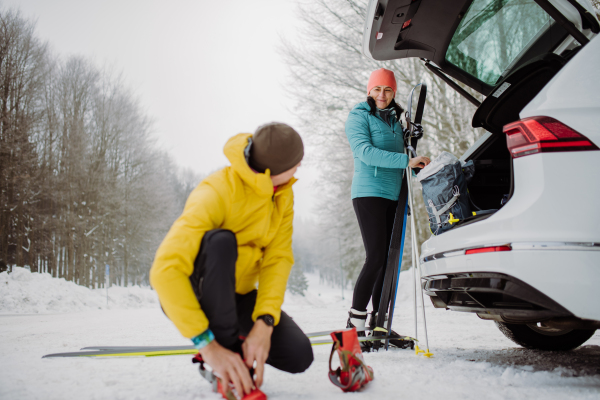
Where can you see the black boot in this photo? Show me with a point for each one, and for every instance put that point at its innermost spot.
(396, 340)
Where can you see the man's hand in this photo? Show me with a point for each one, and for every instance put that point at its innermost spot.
(419, 162)
(256, 348)
(229, 366)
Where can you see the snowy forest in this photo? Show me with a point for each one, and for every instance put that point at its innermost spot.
(82, 184)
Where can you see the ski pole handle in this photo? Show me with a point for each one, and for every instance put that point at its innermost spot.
(412, 151)
(414, 155)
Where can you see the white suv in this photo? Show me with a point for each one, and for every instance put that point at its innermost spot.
(533, 266)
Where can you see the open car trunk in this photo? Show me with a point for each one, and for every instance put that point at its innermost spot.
(507, 50)
(493, 174)
(493, 179)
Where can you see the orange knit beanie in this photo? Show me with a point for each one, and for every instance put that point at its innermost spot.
(382, 77)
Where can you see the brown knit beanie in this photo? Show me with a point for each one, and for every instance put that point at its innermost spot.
(275, 146)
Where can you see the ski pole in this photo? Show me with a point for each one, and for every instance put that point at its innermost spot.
(414, 259)
(414, 279)
(415, 249)
(426, 353)
(414, 264)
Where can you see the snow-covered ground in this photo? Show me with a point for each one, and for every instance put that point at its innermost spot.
(22, 292)
(472, 359)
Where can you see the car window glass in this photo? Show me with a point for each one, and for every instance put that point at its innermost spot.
(493, 34)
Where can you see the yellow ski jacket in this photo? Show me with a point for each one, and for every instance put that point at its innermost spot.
(242, 201)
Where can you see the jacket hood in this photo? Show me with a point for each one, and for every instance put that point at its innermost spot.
(363, 105)
(260, 182)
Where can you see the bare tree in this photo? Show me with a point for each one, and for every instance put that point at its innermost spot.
(82, 184)
(21, 77)
(596, 4)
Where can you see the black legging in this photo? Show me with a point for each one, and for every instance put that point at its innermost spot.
(230, 314)
(376, 219)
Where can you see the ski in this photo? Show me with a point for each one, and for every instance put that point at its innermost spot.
(368, 339)
(154, 351)
(159, 348)
(394, 261)
(191, 347)
(127, 352)
(138, 348)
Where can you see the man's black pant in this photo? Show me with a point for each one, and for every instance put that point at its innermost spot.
(376, 221)
(230, 314)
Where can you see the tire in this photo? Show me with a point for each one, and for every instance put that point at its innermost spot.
(534, 336)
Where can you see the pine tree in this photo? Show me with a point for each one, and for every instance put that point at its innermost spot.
(297, 282)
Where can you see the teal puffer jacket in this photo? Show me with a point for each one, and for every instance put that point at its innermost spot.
(378, 150)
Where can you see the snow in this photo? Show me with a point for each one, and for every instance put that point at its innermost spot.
(24, 292)
(472, 359)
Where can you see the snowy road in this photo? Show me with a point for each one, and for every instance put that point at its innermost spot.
(472, 358)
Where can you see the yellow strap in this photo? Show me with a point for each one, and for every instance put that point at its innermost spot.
(452, 220)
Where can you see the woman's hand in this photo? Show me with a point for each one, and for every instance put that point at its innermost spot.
(256, 348)
(228, 366)
(419, 162)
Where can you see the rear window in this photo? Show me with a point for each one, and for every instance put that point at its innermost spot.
(493, 34)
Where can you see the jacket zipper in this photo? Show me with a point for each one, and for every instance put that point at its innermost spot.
(393, 131)
(270, 214)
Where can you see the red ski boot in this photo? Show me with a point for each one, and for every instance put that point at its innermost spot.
(227, 391)
(353, 373)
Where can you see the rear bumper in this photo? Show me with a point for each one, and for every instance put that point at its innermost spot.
(490, 294)
(551, 224)
(521, 284)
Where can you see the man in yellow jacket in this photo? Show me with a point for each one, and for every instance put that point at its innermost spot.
(222, 270)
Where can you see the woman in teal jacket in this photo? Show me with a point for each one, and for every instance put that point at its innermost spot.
(376, 138)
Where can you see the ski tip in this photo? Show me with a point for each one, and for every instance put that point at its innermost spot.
(407, 338)
(58, 355)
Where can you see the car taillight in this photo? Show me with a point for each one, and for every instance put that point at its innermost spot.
(543, 134)
(488, 249)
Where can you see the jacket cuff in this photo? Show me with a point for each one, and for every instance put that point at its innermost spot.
(403, 161)
(203, 339)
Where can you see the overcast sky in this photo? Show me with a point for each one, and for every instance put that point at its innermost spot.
(203, 70)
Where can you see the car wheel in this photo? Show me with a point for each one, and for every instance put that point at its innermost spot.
(539, 337)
